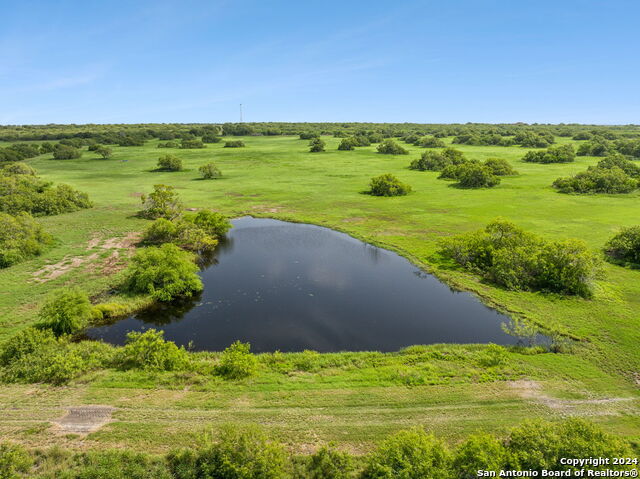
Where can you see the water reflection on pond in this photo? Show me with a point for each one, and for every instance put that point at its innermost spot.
(289, 287)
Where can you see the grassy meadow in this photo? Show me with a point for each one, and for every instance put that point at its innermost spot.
(353, 399)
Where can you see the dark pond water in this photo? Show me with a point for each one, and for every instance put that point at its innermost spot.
(289, 287)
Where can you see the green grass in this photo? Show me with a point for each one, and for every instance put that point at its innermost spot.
(278, 177)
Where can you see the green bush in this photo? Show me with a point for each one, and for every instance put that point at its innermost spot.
(430, 142)
(164, 272)
(104, 152)
(388, 185)
(210, 171)
(329, 463)
(493, 355)
(390, 147)
(66, 311)
(309, 135)
(114, 464)
(438, 160)
(169, 144)
(18, 168)
(597, 180)
(239, 454)
(21, 238)
(64, 152)
(163, 202)
(55, 363)
(518, 260)
(234, 144)
(150, 351)
(478, 452)
(316, 145)
(237, 362)
(472, 175)
(500, 167)
(410, 454)
(169, 163)
(625, 246)
(558, 154)
(192, 144)
(192, 232)
(26, 342)
(348, 144)
(211, 139)
(111, 310)
(215, 224)
(14, 461)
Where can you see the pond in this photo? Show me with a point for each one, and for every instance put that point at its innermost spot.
(289, 287)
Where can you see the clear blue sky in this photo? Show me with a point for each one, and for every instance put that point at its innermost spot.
(394, 61)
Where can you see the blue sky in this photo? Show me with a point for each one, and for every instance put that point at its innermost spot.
(416, 61)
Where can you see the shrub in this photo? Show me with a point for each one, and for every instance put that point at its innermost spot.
(180, 232)
(234, 144)
(164, 272)
(192, 144)
(388, 185)
(410, 454)
(390, 147)
(597, 180)
(558, 154)
(210, 171)
(329, 463)
(618, 160)
(625, 246)
(316, 145)
(168, 144)
(111, 310)
(472, 175)
(309, 135)
(169, 163)
(104, 152)
(21, 238)
(478, 452)
(348, 144)
(163, 202)
(237, 362)
(518, 260)
(436, 161)
(430, 142)
(239, 454)
(211, 138)
(150, 351)
(493, 355)
(19, 168)
(64, 152)
(215, 224)
(14, 461)
(27, 341)
(116, 464)
(66, 311)
(500, 167)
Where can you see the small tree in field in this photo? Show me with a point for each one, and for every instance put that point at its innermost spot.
(316, 145)
(390, 147)
(169, 163)
(237, 362)
(625, 246)
(471, 175)
(104, 152)
(66, 312)
(65, 152)
(163, 202)
(209, 171)
(388, 185)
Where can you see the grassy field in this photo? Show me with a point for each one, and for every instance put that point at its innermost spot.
(279, 178)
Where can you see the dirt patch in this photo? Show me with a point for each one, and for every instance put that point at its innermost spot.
(532, 390)
(84, 419)
(53, 271)
(136, 194)
(93, 242)
(120, 243)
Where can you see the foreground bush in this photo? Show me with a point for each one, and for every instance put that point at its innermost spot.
(169, 163)
(21, 238)
(411, 454)
(388, 185)
(625, 246)
(517, 260)
(66, 311)
(478, 452)
(162, 202)
(164, 272)
(18, 168)
(26, 342)
(210, 171)
(114, 464)
(237, 362)
(239, 454)
(390, 147)
(328, 462)
(150, 351)
(14, 461)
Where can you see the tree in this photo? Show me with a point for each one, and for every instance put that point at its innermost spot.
(410, 454)
(429, 142)
(390, 147)
(597, 180)
(210, 171)
(18, 168)
(625, 246)
(309, 135)
(149, 351)
(478, 452)
(316, 145)
(348, 144)
(558, 154)
(169, 163)
(388, 185)
(472, 175)
(329, 462)
(104, 152)
(21, 238)
(215, 224)
(67, 311)
(165, 272)
(163, 202)
(500, 167)
(64, 152)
